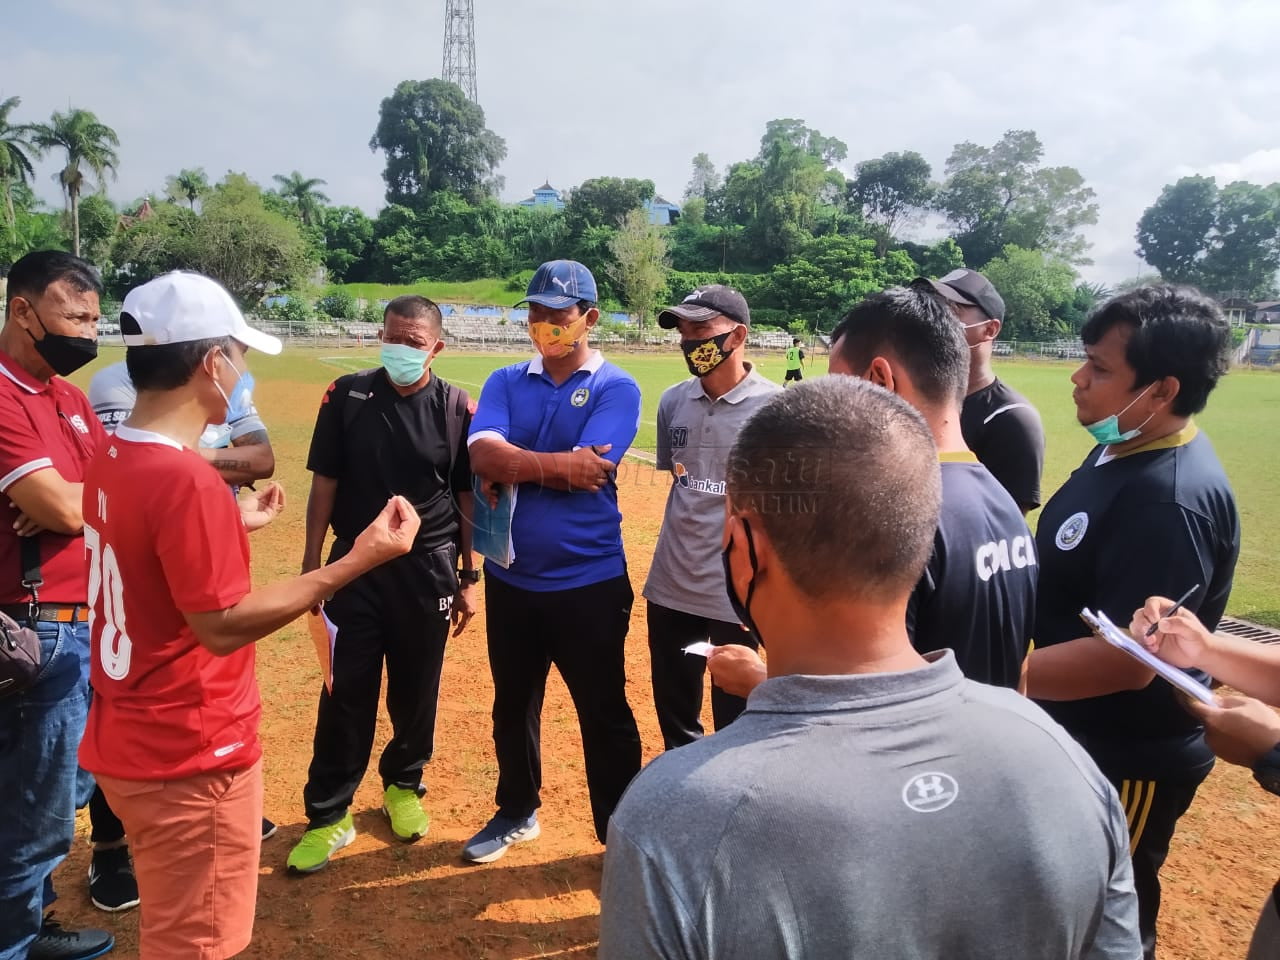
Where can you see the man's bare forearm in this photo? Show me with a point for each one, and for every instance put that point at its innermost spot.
(466, 520)
(500, 462)
(320, 501)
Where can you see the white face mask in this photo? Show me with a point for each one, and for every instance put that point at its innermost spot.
(966, 326)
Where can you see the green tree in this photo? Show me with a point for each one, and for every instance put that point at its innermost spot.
(705, 180)
(1225, 240)
(435, 139)
(640, 265)
(89, 146)
(302, 195)
(15, 159)
(1038, 290)
(890, 190)
(779, 197)
(348, 232)
(1245, 254)
(1174, 232)
(32, 228)
(339, 304)
(99, 221)
(604, 202)
(1000, 195)
(941, 258)
(828, 276)
(236, 239)
(189, 184)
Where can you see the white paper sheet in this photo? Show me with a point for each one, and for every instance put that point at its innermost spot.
(1103, 627)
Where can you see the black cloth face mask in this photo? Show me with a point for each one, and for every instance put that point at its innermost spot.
(64, 354)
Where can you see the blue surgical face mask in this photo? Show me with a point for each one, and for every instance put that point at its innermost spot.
(404, 364)
(240, 400)
(1107, 430)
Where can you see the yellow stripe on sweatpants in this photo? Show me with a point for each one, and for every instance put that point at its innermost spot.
(1124, 801)
(1136, 834)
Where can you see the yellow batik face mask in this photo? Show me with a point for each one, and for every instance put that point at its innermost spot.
(554, 340)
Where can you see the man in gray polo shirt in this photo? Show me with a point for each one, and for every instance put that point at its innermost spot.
(698, 420)
(870, 801)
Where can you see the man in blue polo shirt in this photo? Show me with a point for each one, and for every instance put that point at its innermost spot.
(556, 427)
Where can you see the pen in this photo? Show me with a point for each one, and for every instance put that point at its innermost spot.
(1172, 610)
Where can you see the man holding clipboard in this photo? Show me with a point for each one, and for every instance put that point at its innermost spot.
(1149, 511)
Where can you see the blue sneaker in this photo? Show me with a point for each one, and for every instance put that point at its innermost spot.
(498, 835)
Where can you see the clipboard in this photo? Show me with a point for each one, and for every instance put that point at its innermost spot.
(324, 632)
(1105, 629)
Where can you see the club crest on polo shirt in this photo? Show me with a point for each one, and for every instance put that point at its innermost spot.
(678, 436)
(580, 396)
(77, 421)
(1072, 531)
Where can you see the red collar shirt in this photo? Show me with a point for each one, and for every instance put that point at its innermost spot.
(43, 426)
(163, 536)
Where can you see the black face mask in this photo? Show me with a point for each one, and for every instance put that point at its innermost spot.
(65, 354)
(705, 355)
(742, 608)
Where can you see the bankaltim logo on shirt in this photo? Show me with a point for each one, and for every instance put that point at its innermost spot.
(681, 473)
(1072, 531)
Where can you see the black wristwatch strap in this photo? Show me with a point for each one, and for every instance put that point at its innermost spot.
(468, 576)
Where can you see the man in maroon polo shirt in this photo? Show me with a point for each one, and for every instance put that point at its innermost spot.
(49, 436)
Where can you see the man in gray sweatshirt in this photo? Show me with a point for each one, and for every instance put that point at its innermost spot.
(870, 801)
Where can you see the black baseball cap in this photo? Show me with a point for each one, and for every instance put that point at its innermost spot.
(967, 288)
(704, 303)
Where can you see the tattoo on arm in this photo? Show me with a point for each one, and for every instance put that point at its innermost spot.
(254, 439)
(230, 464)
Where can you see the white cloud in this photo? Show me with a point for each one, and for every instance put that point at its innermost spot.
(1133, 94)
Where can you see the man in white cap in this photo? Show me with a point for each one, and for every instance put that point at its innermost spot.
(172, 736)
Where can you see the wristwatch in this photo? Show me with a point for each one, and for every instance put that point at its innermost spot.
(469, 576)
(1267, 770)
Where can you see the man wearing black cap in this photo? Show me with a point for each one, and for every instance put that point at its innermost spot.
(698, 420)
(999, 424)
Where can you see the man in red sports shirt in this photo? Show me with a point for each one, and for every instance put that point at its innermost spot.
(172, 735)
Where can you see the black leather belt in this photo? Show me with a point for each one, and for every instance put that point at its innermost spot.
(48, 612)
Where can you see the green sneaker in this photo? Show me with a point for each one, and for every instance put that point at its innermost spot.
(315, 848)
(409, 821)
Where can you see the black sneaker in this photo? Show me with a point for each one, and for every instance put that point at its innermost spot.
(55, 943)
(112, 885)
(268, 829)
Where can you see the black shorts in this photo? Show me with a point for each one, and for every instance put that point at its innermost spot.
(793, 375)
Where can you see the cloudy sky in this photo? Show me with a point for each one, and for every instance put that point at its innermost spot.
(1132, 93)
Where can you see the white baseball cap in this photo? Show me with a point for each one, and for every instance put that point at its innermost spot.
(180, 307)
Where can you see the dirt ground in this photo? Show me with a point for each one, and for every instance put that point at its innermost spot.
(381, 898)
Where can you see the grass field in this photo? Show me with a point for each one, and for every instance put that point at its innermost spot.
(1243, 420)
(384, 898)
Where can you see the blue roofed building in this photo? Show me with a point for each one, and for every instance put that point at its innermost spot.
(661, 212)
(545, 196)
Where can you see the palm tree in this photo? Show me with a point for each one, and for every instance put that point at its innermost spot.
(15, 161)
(190, 185)
(90, 148)
(302, 191)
